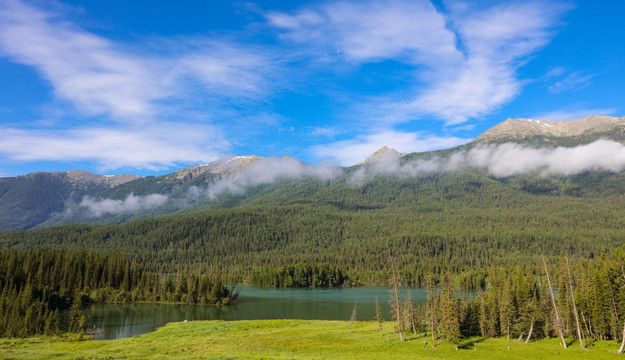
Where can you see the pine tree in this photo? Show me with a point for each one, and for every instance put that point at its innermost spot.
(431, 304)
(449, 312)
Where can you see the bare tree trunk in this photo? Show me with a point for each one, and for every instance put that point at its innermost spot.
(529, 335)
(395, 299)
(430, 288)
(620, 351)
(579, 329)
(378, 314)
(353, 318)
(411, 313)
(553, 302)
(586, 326)
(432, 317)
(622, 348)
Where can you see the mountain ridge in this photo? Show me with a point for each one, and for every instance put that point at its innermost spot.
(44, 199)
(521, 128)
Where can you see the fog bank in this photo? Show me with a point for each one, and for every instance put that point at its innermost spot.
(264, 172)
(502, 160)
(131, 203)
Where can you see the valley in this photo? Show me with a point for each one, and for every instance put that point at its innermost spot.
(480, 218)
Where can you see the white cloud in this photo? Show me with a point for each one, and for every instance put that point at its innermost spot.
(132, 87)
(265, 171)
(131, 203)
(464, 62)
(329, 132)
(495, 42)
(155, 147)
(126, 82)
(504, 160)
(353, 151)
(372, 31)
(573, 113)
(573, 81)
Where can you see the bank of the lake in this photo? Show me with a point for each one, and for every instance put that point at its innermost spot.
(288, 339)
(114, 321)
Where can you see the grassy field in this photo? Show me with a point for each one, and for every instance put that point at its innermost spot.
(289, 339)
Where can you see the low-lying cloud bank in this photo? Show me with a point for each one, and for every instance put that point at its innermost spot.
(502, 160)
(264, 172)
(131, 203)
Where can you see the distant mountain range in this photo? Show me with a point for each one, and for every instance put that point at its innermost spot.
(44, 199)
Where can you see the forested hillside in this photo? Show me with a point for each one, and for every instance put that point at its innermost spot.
(462, 222)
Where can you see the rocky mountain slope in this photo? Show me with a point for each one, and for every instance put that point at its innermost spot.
(26, 201)
(382, 154)
(556, 132)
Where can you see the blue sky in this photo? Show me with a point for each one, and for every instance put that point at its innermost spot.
(150, 86)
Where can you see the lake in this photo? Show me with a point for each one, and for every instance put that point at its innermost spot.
(124, 320)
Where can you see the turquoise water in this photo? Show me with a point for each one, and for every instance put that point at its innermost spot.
(116, 321)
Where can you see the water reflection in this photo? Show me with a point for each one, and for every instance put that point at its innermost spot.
(124, 320)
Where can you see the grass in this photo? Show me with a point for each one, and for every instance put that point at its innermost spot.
(288, 339)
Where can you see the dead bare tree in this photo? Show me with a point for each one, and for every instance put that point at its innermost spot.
(579, 329)
(622, 348)
(555, 308)
(395, 305)
(531, 330)
(378, 315)
(353, 318)
(431, 299)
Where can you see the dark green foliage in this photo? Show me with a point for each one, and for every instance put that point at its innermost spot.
(517, 302)
(449, 311)
(300, 275)
(36, 284)
(461, 223)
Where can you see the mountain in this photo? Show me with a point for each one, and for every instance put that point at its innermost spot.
(47, 199)
(179, 181)
(556, 133)
(384, 153)
(26, 201)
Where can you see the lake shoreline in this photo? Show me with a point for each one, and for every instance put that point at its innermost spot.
(121, 320)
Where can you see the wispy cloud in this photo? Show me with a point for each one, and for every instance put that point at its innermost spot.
(571, 82)
(352, 151)
(573, 113)
(464, 61)
(123, 81)
(151, 148)
(129, 97)
(144, 105)
(372, 31)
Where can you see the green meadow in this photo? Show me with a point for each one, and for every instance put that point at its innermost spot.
(291, 339)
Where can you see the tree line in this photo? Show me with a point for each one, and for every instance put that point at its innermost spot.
(300, 275)
(36, 285)
(578, 303)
